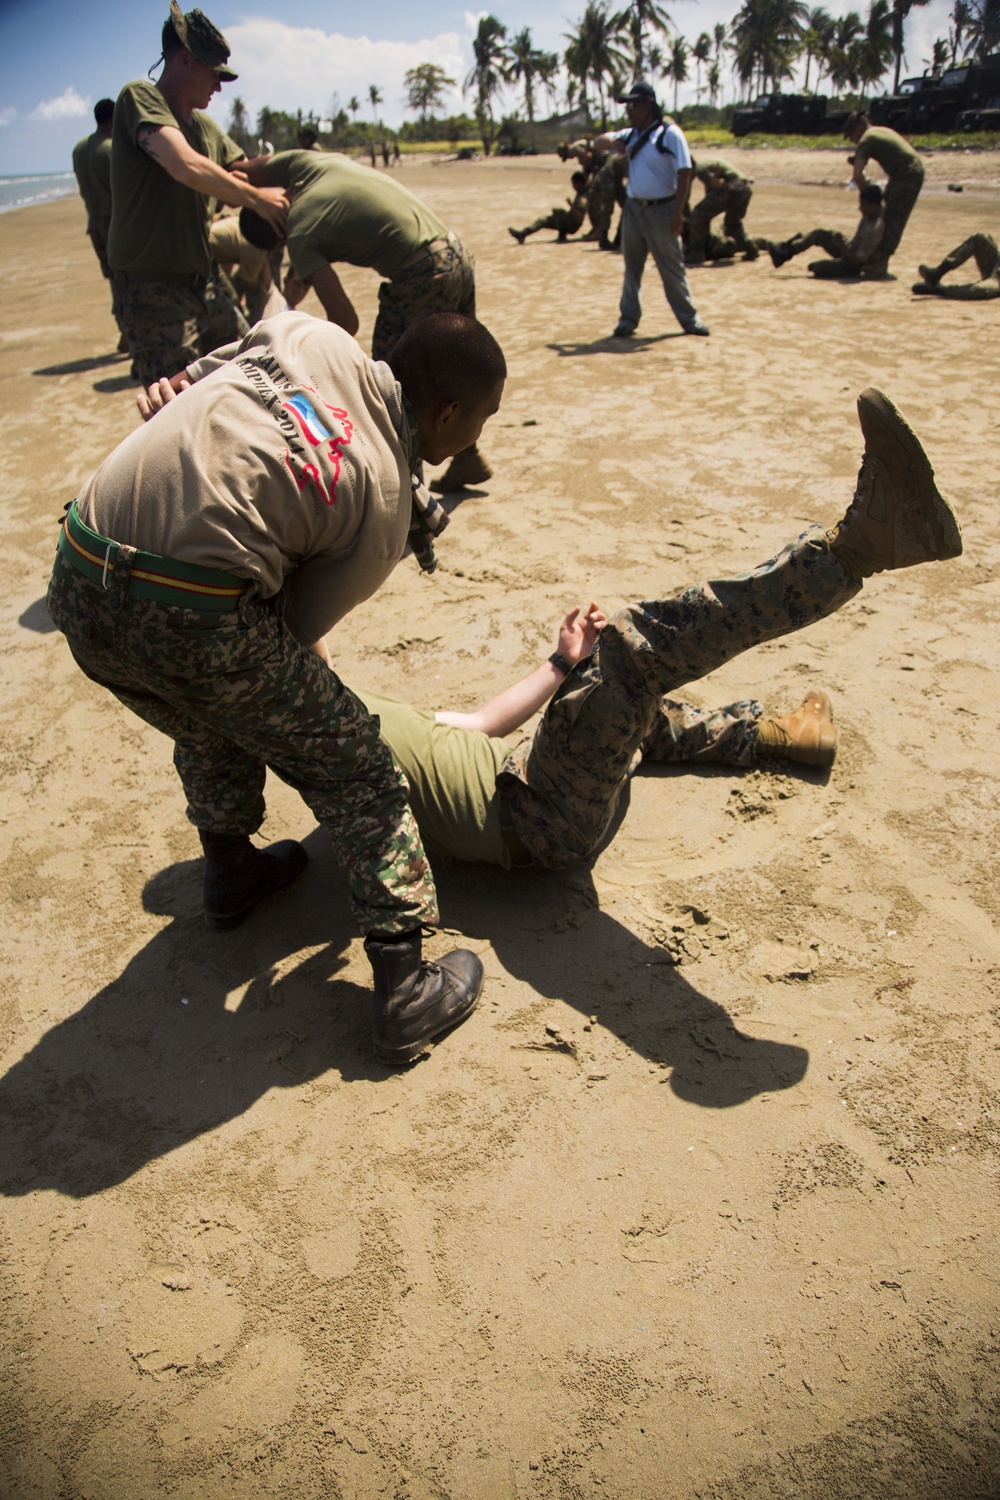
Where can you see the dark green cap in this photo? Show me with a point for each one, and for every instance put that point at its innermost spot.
(203, 40)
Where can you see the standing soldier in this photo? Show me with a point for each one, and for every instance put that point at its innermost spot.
(92, 165)
(169, 160)
(902, 166)
(727, 192)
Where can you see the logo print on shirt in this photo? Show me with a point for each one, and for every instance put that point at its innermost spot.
(318, 435)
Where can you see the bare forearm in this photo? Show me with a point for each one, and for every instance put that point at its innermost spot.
(509, 709)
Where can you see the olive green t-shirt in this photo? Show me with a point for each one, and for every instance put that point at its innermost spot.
(159, 227)
(343, 211)
(453, 780)
(888, 148)
(92, 165)
(717, 168)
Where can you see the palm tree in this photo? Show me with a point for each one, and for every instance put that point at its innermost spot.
(961, 19)
(701, 52)
(655, 63)
(900, 10)
(874, 49)
(937, 60)
(720, 32)
(522, 63)
(816, 39)
(766, 38)
(425, 86)
(677, 64)
(640, 18)
(239, 122)
(843, 57)
(984, 27)
(594, 53)
(714, 79)
(548, 73)
(486, 73)
(375, 99)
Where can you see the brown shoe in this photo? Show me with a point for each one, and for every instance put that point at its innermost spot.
(466, 468)
(808, 735)
(898, 516)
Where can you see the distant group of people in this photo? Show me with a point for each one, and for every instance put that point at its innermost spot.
(659, 218)
(279, 478)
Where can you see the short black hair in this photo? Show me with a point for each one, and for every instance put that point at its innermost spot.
(257, 231)
(445, 356)
(307, 130)
(104, 110)
(870, 193)
(579, 179)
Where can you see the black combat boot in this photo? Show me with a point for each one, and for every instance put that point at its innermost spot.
(238, 874)
(416, 1002)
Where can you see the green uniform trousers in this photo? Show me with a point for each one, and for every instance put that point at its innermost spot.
(169, 326)
(563, 785)
(237, 693)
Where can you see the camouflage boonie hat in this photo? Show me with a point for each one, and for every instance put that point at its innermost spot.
(854, 118)
(203, 40)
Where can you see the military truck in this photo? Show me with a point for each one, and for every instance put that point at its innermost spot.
(789, 114)
(936, 103)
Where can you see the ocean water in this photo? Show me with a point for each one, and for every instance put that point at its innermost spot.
(17, 192)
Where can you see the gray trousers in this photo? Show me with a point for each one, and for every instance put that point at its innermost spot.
(646, 231)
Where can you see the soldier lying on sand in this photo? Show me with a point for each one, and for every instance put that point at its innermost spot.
(980, 247)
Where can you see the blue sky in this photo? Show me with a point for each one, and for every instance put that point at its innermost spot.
(59, 57)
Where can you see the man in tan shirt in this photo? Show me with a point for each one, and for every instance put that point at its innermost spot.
(204, 563)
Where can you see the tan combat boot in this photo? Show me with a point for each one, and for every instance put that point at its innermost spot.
(898, 516)
(808, 735)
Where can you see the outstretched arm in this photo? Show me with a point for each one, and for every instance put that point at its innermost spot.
(508, 710)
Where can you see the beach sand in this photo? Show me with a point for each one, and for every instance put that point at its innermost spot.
(702, 1202)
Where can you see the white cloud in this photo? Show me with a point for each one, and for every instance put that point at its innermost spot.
(291, 68)
(7, 115)
(67, 106)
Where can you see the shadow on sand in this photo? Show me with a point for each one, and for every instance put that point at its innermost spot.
(155, 1058)
(633, 344)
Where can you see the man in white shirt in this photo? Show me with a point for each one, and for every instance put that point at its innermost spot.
(659, 180)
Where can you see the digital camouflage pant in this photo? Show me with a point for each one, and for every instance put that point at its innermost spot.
(901, 193)
(169, 326)
(563, 785)
(561, 219)
(237, 693)
(442, 280)
(982, 247)
(606, 189)
(732, 201)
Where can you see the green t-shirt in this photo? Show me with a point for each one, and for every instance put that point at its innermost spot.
(717, 168)
(889, 149)
(92, 165)
(453, 780)
(341, 210)
(159, 227)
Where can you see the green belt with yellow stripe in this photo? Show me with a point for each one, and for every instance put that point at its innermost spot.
(150, 577)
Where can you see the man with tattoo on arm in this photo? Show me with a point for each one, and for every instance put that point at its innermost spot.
(169, 161)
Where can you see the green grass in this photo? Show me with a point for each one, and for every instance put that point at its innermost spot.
(715, 135)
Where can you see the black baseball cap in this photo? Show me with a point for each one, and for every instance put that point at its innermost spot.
(637, 92)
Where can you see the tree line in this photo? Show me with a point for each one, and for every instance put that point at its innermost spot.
(759, 50)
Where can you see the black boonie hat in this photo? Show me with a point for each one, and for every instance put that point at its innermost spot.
(854, 118)
(639, 91)
(203, 40)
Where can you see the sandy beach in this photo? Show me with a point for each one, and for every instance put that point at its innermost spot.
(702, 1203)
